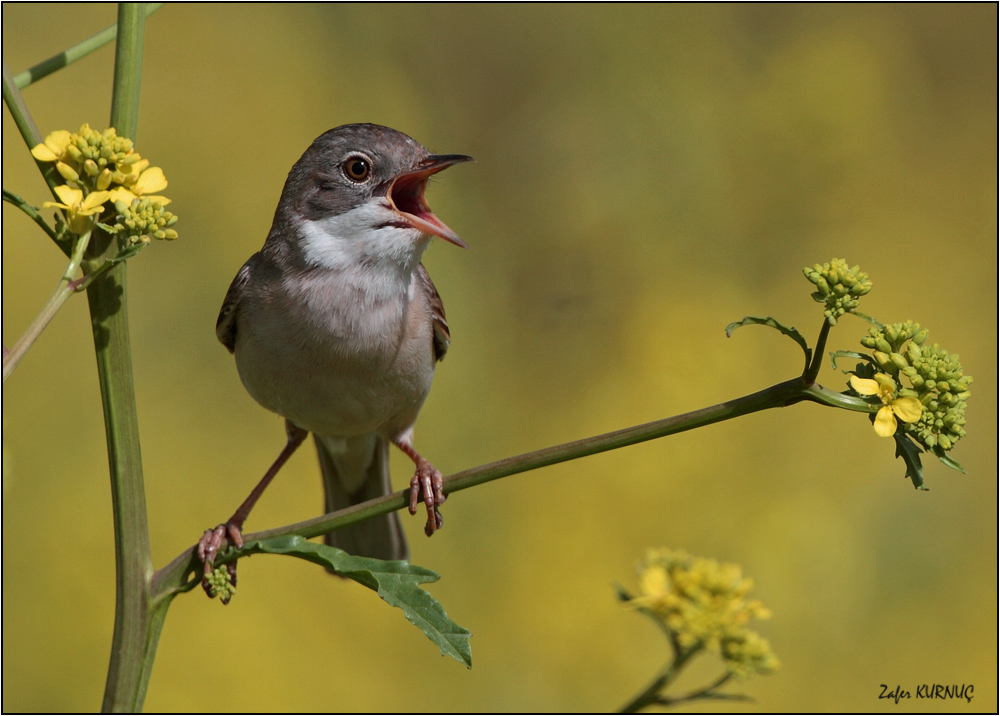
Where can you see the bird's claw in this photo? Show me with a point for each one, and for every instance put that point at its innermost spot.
(428, 481)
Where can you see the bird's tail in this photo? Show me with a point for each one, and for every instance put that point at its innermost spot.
(354, 470)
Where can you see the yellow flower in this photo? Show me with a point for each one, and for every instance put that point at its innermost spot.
(704, 605)
(142, 180)
(54, 147)
(906, 409)
(80, 211)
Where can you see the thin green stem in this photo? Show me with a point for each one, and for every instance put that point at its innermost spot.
(11, 198)
(708, 692)
(17, 351)
(76, 52)
(19, 110)
(29, 132)
(137, 622)
(63, 291)
(812, 371)
(662, 680)
(175, 577)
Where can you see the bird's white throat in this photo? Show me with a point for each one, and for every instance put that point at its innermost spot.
(372, 235)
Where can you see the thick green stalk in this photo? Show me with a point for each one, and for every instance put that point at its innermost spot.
(137, 624)
(175, 577)
(76, 52)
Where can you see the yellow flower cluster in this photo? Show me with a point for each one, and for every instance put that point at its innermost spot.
(99, 167)
(939, 389)
(703, 603)
(838, 287)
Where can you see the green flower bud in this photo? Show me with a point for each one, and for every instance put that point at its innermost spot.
(68, 173)
(898, 360)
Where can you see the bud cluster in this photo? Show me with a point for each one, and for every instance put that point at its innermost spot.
(142, 220)
(935, 375)
(220, 585)
(838, 287)
(95, 151)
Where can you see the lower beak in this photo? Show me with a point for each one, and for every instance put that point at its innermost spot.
(406, 194)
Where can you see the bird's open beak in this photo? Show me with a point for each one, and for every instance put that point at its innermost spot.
(406, 194)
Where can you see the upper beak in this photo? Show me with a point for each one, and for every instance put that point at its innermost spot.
(406, 194)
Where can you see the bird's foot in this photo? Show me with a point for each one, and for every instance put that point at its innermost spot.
(208, 548)
(427, 480)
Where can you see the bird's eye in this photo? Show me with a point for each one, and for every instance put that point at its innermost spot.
(357, 168)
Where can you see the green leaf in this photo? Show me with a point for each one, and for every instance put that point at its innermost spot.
(946, 459)
(834, 355)
(868, 318)
(396, 582)
(789, 331)
(910, 452)
(128, 252)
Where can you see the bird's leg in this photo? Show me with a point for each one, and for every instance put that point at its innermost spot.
(427, 480)
(211, 541)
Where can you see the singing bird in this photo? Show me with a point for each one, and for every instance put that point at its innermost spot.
(336, 326)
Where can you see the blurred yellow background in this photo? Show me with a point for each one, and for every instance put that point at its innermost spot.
(645, 175)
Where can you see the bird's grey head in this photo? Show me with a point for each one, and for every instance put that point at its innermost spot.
(358, 194)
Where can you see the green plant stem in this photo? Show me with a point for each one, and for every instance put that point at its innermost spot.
(29, 132)
(66, 288)
(76, 52)
(662, 680)
(708, 692)
(812, 371)
(137, 618)
(181, 574)
(32, 213)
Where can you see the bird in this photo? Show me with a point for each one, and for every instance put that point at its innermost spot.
(336, 326)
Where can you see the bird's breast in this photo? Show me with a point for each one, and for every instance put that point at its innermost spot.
(334, 358)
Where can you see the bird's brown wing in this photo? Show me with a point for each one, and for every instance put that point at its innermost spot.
(225, 326)
(442, 336)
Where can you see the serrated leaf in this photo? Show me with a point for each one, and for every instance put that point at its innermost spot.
(395, 581)
(947, 460)
(910, 452)
(789, 331)
(834, 355)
